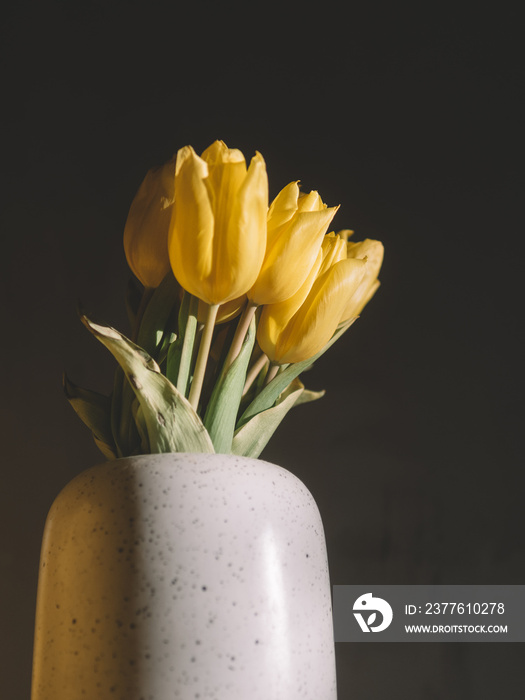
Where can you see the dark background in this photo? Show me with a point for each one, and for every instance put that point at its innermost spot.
(412, 122)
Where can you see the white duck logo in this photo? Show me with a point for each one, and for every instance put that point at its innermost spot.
(367, 603)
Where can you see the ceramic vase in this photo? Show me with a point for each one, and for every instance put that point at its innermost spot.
(184, 576)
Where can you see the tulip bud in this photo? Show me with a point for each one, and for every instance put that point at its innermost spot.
(275, 317)
(146, 229)
(217, 233)
(373, 252)
(296, 226)
(293, 332)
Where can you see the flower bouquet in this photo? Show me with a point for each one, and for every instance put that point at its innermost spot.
(238, 298)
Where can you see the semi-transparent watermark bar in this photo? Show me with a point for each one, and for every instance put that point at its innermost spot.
(429, 613)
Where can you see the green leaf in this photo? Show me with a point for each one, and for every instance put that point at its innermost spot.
(221, 413)
(178, 363)
(138, 417)
(160, 310)
(252, 438)
(308, 396)
(116, 413)
(123, 428)
(164, 345)
(105, 449)
(171, 423)
(272, 391)
(94, 410)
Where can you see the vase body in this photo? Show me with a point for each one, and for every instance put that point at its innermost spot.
(183, 576)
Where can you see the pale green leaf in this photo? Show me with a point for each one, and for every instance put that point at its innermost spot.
(138, 417)
(123, 428)
(119, 434)
(94, 410)
(159, 316)
(105, 449)
(252, 438)
(308, 396)
(172, 424)
(178, 362)
(221, 413)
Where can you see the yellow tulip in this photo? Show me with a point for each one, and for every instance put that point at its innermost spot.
(217, 233)
(275, 317)
(373, 252)
(146, 229)
(296, 226)
(296, 329)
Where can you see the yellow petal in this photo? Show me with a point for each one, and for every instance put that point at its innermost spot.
(370, 249)
(345, 233)
(283, 207)
(219, 153)
(275, 317)
(190, 240)
(226, 173)
(310, 202)
(334, 250)
(373, 251)
(147, 226)
(239, 253)
(290, 256)
(317, 319)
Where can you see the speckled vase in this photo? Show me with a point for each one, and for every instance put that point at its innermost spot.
(184, 576)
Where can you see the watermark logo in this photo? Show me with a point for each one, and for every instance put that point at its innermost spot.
(368, 604)
(429, 613)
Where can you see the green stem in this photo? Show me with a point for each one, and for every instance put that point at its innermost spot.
(202, 357)
(187, 345)
(272, 372)
(253, 372)
(240, 334)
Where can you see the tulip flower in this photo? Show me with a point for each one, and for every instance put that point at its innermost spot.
(146, 229)
(296, 226)
(217, 233)
(373, 252)
(298, 328)
(274, 318)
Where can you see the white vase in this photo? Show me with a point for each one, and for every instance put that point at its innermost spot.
(184, 576)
